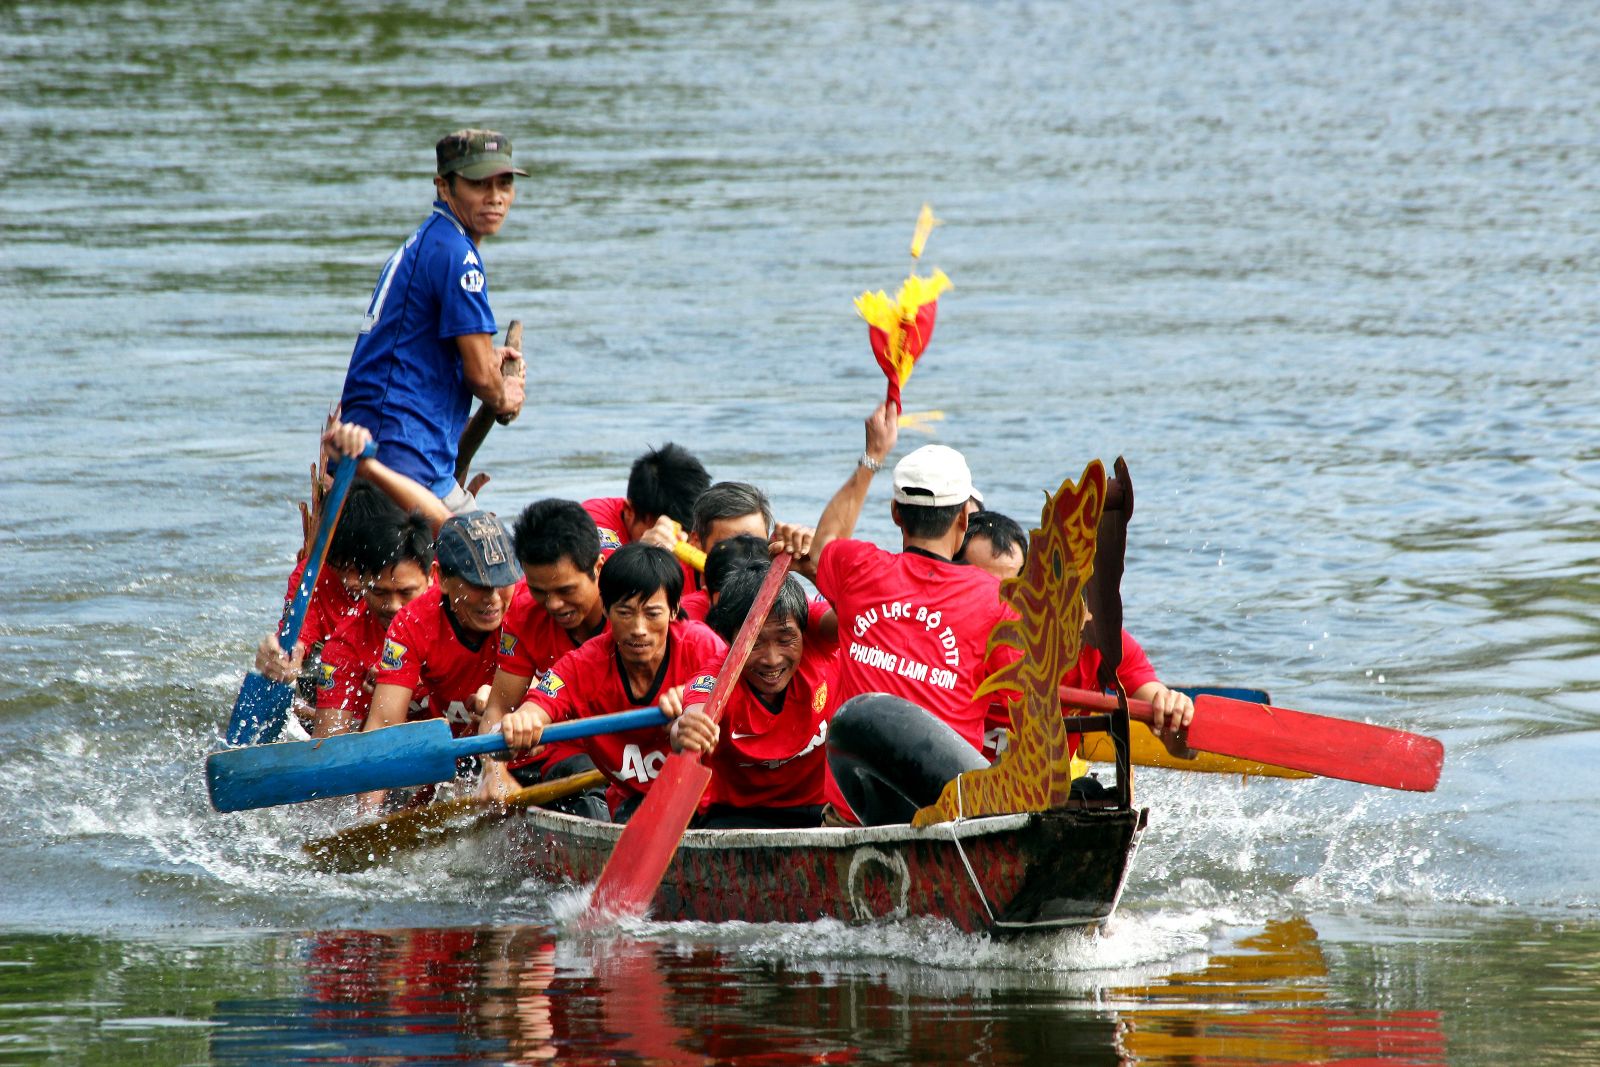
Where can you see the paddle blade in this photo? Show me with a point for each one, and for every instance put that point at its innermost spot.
(644, 851)
(1333, 748)
(289, 772)
(260, 711)
(369, 844)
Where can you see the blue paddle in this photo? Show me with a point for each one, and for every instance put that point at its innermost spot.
(413, 753)
(263, 705)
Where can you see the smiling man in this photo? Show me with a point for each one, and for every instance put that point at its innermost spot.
(426, 346)
(442, 647)
(554, 610)
(768, 764)
(644, 656)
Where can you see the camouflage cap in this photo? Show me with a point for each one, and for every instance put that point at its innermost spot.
(475, 154)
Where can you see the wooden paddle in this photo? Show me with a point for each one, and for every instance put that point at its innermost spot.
(646, 847)
(1149, 752)
(1299, 740)
(372, 843)
(262, 707)
(413, 753)
(484, 419)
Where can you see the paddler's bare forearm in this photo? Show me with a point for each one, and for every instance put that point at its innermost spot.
(504, 696)
(839, 518)
(409, 493)
(390, 703)
(488, 374)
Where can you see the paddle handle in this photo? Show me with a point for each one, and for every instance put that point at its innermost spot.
(745, 640)
(638, 718)
(332, 505)
(687, 553)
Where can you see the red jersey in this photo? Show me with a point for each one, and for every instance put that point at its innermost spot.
(777, 760)
(606, 511)
(1133, 672)
(424, 652)
(914, 626)
(695, 605)
(589, 682)
(331, 603)
(348, 658)
(349, 666)
(530, 643)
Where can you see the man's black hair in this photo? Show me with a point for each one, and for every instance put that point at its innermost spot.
(667, 481)
(1003, 532)
(927, 522)
(550, 530)
(635, 571)
(739, 596)
(366, 530)
(411, 541)
(730, 500)
(730, 554)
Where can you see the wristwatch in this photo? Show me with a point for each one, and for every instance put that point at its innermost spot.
(873, 465)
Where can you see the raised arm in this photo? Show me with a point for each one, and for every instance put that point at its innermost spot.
(840, 516)
(348, 439)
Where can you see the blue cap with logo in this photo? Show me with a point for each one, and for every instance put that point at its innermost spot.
(476, 547)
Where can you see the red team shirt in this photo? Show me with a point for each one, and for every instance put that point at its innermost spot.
(1133, 672)
(767, 760)
(695, 605)
(423, 653)
(916, 627)
(606, 511)
(329, 606)
(588, 682)
(350, 653)
(530, 643)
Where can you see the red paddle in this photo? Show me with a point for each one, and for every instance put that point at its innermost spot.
(648, 843)
(1299, 740)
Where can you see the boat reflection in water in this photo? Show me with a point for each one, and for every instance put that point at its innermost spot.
(1271, 1003)
(522, 995)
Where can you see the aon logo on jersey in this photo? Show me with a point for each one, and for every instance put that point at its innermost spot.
(640, 766)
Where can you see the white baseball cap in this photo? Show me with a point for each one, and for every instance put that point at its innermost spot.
(934, 476)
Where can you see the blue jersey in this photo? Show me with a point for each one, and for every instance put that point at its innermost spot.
(406, 384)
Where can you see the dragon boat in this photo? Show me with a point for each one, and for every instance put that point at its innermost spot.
(1006, 850)
(1000, 874)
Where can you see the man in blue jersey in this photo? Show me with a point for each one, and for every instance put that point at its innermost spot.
(427, 344)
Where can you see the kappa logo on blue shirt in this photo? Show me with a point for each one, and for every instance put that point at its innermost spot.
(472, 258)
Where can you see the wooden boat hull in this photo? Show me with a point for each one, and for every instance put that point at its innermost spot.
(1005, 874)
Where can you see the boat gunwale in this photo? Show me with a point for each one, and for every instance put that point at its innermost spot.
(821, 837)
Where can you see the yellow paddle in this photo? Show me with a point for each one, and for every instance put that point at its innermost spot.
(1148, 752)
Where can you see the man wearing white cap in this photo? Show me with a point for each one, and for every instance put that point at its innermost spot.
(913, 624)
